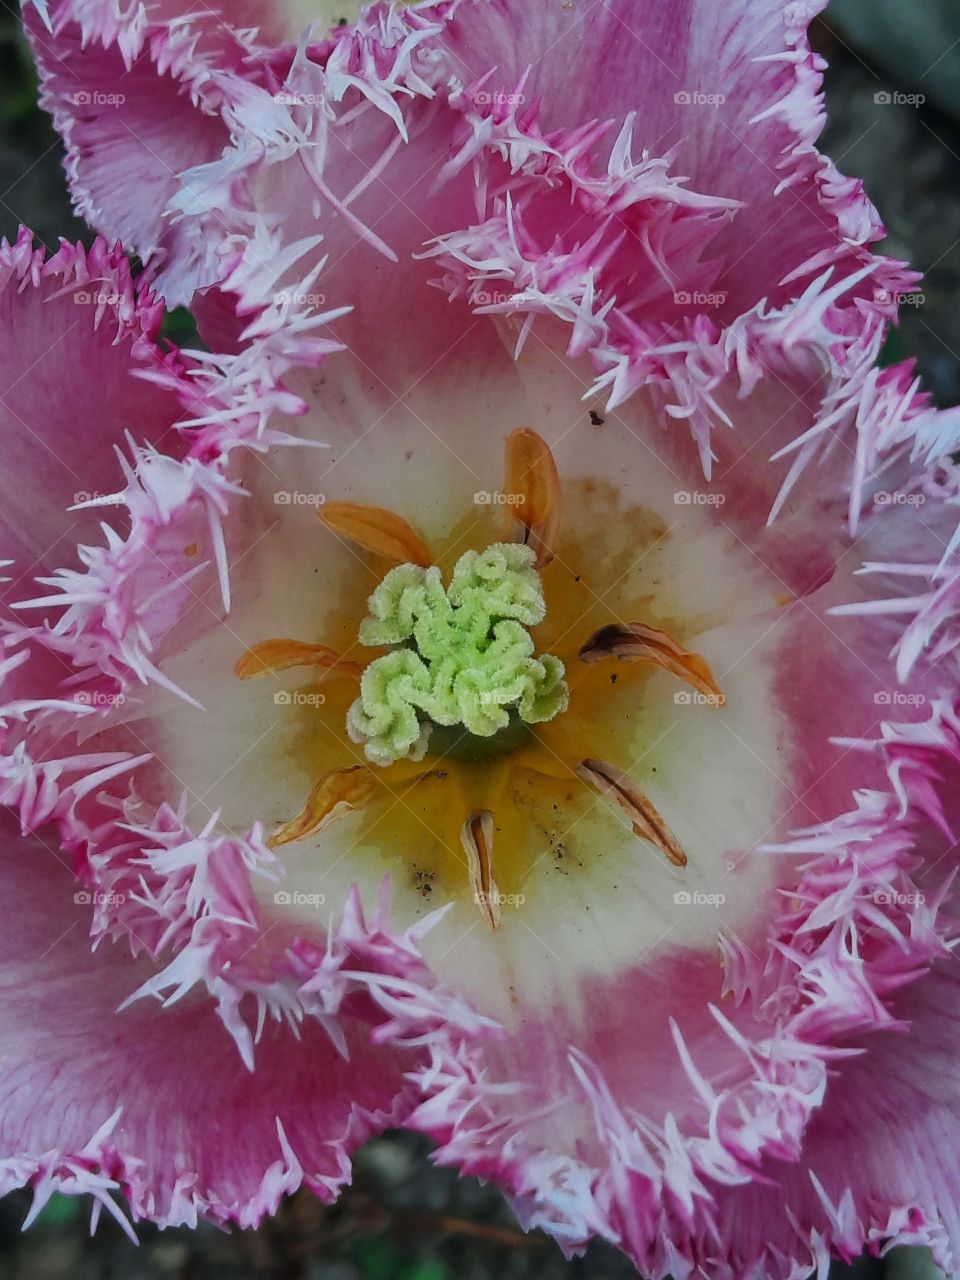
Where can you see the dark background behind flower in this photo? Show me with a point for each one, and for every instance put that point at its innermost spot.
(893, 99)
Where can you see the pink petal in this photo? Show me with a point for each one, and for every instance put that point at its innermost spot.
(154, 1104)
(880, 1165)
(634, 1086)
(134, 102)
(75, 334)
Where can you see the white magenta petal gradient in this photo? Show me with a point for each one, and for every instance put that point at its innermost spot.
(151, 1111)
(144, 91)
(667, 209)
(685, 307)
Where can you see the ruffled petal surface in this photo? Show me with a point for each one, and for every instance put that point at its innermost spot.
(894, 1108)
(74, 336)
(148, 1110)
(711, 295)
(134, 96)
(719, 1092)
(685, 197)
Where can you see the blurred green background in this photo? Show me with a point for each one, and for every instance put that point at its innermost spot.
(403, 1219)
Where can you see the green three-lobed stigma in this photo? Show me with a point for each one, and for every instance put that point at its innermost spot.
(464, 655)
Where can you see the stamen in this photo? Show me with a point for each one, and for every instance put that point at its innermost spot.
(343, 789)
(532, 478)
(636, 642)
(615, 785)
(376, 530)
(476, 836)
(271, 656)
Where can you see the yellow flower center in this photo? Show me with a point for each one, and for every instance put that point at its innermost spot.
(473, 738)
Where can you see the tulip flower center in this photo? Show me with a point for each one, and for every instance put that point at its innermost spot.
(461, 657)
(452, 720)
